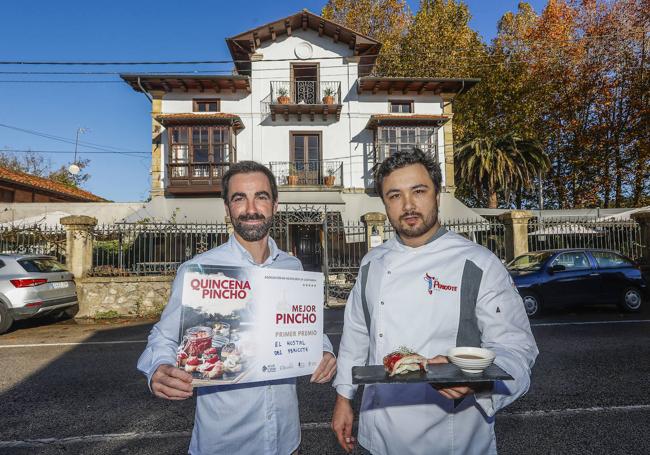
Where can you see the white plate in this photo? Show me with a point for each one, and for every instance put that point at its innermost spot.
(60, 284)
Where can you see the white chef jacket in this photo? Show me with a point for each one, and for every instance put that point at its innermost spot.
(449, 292)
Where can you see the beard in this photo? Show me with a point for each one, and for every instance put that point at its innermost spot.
(252, 233)
(404, 230)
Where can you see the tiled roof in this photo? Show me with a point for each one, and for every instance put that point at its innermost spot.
(405, 119)
(40, 183)
(217, 118)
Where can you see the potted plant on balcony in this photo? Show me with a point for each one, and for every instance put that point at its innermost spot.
(330, 178)
(283, 95)
(292, 178)
(328, 95)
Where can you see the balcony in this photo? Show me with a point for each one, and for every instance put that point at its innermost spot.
(195, 178)
(308, 173)
(308, 98)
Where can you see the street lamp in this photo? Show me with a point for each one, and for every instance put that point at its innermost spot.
(74, 167)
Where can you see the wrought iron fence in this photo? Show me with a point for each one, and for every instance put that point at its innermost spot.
(489, 233)
(345, 245)
(313, 172)
(623, 236)
(151, 248)
(50, 240)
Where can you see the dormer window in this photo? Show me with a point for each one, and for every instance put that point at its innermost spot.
(206, 105)
(401, 107)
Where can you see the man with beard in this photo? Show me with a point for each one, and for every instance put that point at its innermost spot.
(428, 289)
(254, 418)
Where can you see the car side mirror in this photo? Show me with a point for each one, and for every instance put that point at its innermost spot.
(557, 268)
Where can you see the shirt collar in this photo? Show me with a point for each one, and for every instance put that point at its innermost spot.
(245, 255)
(439, 233)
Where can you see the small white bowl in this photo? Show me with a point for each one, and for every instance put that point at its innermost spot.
(464, 358)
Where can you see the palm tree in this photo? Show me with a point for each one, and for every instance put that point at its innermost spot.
(508, 163)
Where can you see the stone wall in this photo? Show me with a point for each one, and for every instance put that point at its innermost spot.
(104, 297)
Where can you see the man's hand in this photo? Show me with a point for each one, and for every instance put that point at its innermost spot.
(452, 393)
(171, 383)
(342, 423)
(326, 369)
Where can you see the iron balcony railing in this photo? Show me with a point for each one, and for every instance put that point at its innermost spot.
(327, 173)
(305, 92)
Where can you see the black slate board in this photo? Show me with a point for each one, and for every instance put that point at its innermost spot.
(444, 373)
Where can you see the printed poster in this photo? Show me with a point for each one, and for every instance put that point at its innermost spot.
(249, 324)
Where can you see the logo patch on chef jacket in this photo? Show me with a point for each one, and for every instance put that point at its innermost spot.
(435, 284)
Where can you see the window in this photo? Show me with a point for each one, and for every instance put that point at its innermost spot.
(6, 195)
(401, 107)
(194, 151)
(207, 105)
(573, 261)
(394, 138)
(608, 259)
(305, 157)
(41, 265)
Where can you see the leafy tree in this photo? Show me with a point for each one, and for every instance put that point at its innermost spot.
(507, 164)
(383, 20)
(36, 164)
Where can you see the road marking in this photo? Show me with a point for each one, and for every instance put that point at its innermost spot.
(551, 324)
(38, 345)
(573, 411)
(94, 438)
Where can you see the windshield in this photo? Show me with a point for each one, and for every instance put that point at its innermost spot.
(531, 261)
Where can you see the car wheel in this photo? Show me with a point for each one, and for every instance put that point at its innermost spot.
(632, 300)
(5, 319)
(532, 304)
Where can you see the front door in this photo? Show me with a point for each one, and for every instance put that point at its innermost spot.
(306, 245)
(305, 157)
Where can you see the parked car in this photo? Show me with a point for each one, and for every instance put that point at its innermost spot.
(33, 286)
(577, 276)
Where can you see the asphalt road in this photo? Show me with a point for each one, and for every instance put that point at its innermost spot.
(73, 389)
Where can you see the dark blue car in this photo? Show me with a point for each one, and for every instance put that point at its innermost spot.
(577, 276)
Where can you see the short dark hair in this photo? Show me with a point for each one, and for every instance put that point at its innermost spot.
(405, 158)
(248, 167)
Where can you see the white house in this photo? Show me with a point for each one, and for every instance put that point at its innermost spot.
(300, 100)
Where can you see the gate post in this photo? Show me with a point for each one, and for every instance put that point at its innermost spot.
(229, 228)
(79, 243)
(374, 228)
(516, 224)
(643, 218)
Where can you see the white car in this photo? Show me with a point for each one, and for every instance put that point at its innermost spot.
(33, 286)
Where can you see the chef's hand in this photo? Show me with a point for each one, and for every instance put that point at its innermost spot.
(325, 370)
(342, 423)
(451, 393)
(171, 383)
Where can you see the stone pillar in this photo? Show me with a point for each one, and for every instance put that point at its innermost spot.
(516, 224)
(374, 228)
(643, 218)
(448, 141)
(79, 243)
(156, 145)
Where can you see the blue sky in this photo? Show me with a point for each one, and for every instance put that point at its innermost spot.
(116, 116)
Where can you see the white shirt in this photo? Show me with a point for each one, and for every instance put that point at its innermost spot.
(449, 292)
(254, 418)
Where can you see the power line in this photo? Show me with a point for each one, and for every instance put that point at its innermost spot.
(70, 141)
(68, 151)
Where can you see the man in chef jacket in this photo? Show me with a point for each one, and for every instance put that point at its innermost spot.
(472, 302)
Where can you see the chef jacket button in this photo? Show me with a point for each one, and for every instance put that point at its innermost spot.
(382, 302)
(381, 335)
(388, 272)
